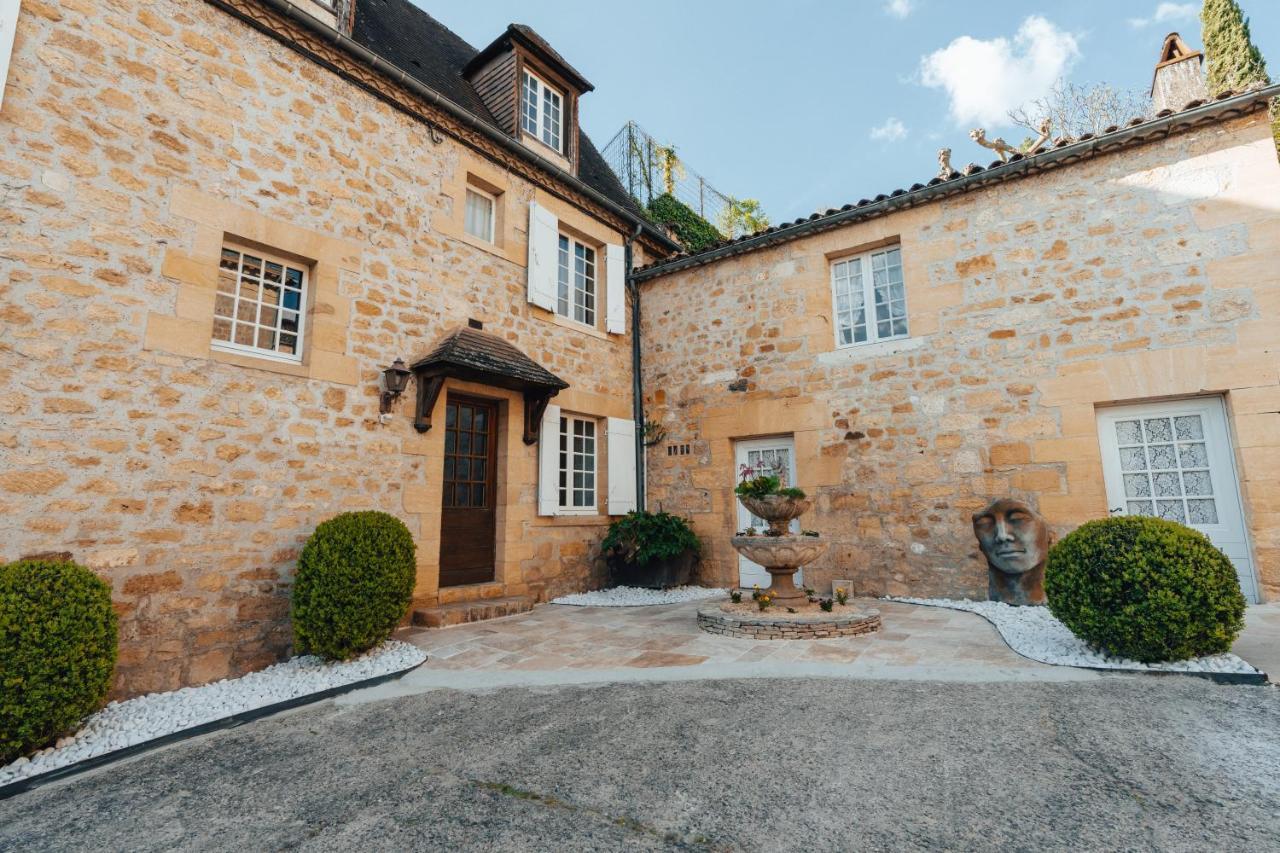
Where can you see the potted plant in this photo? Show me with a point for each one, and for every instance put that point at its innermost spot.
(764, 497)
(651, 549)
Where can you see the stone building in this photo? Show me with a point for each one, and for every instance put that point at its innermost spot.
(1092, 329)
(224, 220)
(221, 222)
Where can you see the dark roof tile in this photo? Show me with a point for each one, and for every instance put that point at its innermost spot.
(472, 350)
(425, 49)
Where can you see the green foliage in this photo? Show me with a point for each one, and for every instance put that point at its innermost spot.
(355, 579)
(1234, 60)
(1145, 588)
(642, 537)
(766, 485)
(57, 651)
(694, 232)
(743, 215)
(758, 487)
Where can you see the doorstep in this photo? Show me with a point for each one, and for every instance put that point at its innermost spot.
(462, 612)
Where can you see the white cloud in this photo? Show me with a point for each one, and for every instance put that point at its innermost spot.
(899, 8)
(1166, 12)
(986, 79)
(891, 131)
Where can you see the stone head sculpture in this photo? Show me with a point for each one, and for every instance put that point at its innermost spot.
(1015, 540)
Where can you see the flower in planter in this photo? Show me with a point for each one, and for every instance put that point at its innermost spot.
(735, 595)
(842, 596)
(763, 602)
(826, 604)
(755, 592)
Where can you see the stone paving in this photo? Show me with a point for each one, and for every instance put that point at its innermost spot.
(557, 638)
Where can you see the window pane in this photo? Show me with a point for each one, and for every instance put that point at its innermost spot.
(562, 292)
(479, 216)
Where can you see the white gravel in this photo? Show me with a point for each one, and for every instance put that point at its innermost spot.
(635, 596)
(1035, 633)
(123, 724)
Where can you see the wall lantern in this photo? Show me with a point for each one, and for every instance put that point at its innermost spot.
(394, 379)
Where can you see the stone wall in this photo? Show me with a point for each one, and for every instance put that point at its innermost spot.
(1150, 273)
(136, 137)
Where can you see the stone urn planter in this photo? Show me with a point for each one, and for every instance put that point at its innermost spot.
(778, 510)
(782, 557)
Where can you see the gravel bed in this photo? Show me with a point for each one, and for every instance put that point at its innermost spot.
(134, 721)
(636, 596)
(1035, 633)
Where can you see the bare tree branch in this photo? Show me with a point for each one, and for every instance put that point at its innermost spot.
(1074, 110)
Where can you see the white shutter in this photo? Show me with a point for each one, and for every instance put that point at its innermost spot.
(622, 466)
(549, 462)
(615, 283)
(8, 26)
(544, 252)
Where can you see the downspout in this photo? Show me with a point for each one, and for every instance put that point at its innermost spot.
(637, 384)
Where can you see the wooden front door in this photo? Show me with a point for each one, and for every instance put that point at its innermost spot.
(467, 523)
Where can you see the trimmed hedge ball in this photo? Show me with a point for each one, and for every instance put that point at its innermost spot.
(1145, 588)
(57, 651)
(354, 583)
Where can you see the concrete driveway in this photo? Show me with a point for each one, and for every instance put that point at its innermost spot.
(1166, 763)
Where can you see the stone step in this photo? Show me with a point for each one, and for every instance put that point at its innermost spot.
(471, 611)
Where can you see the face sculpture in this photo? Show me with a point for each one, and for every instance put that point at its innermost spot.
(1015, 541)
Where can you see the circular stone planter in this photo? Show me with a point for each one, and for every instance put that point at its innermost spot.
(772, 625)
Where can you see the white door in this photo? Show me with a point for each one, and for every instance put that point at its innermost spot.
(1174, 460)
(765, 456)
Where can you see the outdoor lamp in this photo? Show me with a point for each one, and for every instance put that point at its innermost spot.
(395, 379)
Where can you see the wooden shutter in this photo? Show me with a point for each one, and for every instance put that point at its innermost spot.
(549, 462)
(615, 276)
(544, 256)
(622, 465)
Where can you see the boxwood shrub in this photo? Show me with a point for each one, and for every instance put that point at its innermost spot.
(354, 583)
(57, 651)
(1145, 588)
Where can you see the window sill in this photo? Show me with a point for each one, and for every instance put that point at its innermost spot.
(591, 519)
(491, 248)
(856, 352)
(272, 365)
(592, 331)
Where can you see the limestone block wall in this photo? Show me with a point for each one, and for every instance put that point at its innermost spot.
(136, 138)
(1146, 274)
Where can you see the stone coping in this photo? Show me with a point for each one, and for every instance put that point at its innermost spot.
(785, 626)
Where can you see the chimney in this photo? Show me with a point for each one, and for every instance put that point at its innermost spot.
(334, 13)
(1179, 78)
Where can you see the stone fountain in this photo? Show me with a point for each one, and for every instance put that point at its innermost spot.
(781, 553)
(788, 613)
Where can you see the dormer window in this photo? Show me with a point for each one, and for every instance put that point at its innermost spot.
(540, 111)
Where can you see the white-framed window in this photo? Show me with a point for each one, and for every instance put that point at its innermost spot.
(540, 109)
(576, 281)
(577, 467)
(480, 214)
(259, 305)
(869, 298)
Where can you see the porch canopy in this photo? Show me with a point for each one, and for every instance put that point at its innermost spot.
(475, 356)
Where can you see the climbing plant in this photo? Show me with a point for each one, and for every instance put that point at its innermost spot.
(743, 215)
(693, 232)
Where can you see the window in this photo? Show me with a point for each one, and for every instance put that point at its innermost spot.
(479, 214)
(576, 285)
(577, 464)
(259, 305)
(540, 110)
(871, 279)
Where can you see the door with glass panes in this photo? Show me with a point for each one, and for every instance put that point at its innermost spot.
(764, 456)
(468, 514)
(1174, 460)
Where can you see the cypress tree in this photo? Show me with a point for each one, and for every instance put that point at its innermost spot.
(1234, 60)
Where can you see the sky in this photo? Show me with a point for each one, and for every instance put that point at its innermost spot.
(807, 105)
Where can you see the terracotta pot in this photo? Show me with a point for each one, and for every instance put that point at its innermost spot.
(778, 510)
